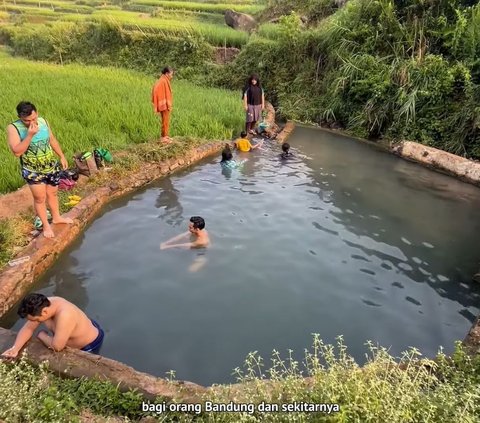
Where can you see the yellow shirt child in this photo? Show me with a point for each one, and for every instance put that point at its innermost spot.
(243, 144)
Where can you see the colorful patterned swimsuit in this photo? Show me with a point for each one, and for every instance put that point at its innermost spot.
(39, 163)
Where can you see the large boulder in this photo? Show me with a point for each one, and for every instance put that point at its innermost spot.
(240, 21)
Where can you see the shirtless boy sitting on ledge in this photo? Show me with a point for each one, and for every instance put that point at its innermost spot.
(196, 228)
(70, 325)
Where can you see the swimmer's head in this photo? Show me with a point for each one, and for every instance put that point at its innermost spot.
(34, 307)
(285, 147)
(196, 224)
(227, 153)
(243, 134)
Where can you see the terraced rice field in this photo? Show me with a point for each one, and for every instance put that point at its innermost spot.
(171, 16)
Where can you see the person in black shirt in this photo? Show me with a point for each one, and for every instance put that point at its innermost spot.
(253, 102)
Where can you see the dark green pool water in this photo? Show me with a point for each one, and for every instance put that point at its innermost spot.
(342, 239)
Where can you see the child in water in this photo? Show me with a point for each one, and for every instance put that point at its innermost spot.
(227, 161)
(286, 151)
(243, 144)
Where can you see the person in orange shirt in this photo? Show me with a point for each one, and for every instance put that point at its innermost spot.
(243, 143)
(162, 100)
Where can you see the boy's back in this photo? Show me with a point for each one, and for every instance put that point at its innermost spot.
(243, 144)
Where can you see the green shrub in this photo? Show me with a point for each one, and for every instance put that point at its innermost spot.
(409, 389)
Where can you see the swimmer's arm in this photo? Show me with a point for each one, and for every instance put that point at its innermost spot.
(258, 145)
(63, 329)
(22, 338)
(166, 244)
(185, 245)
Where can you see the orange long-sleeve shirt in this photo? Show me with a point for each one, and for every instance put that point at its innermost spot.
(162, 98)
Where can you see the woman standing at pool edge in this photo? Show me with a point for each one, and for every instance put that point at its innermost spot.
(253, 102)
(162, 100)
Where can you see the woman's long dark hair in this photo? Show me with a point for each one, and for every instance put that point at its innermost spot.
(249, 82)
(226, 154)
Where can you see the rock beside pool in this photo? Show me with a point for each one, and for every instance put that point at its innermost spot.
(472, 340)
(476, 277)
(240, 21)
(465, 169)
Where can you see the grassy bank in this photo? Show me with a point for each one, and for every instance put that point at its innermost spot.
(443, 391)
(90, 106)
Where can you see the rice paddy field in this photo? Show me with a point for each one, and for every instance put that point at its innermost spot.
(89, 106)
(176, 17)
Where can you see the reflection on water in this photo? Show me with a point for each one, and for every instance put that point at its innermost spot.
(340, 239)
(167, 200)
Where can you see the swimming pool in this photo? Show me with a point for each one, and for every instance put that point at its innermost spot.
(341, 239)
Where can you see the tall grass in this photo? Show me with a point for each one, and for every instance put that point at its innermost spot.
(91, 106)
(269, 30)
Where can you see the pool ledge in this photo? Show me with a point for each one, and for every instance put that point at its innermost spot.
(464, 169)
(72, 363)
(439, 160)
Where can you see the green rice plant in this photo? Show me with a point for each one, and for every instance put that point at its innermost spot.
(55, 5)
(204, 7)
(91, 106)
(213, 33)
(28, 10)
(241, 2)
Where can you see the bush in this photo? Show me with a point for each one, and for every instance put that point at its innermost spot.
(402, 70)
(384, 389)
(107, 44)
